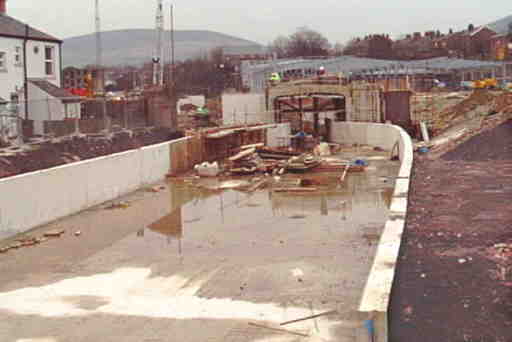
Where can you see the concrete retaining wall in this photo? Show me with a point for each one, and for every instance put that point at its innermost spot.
(377, 292)
(33, 199)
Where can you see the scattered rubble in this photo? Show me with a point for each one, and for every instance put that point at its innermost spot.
(54, 233)
(118, 205)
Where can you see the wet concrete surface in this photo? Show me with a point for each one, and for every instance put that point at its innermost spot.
(189, 264)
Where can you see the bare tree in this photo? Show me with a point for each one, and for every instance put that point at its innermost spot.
(304, 42)
(279, 47)
(351, 46)
(307, 42)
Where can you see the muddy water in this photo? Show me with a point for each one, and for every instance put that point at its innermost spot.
(195, 213)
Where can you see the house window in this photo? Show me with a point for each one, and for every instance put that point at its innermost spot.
(49, 62)
(3, 64)
(17, 56)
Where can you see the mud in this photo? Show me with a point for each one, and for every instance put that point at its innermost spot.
(453, 283)
(47, 155)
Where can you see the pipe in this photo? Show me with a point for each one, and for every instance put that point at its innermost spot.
(61, 76)
(25, 76)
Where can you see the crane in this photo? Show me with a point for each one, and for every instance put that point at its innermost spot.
(99, 71)
(158, 58)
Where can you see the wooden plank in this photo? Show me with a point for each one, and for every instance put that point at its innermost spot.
(278, 330)
(310, 317)
(295, 189)
(243, 154)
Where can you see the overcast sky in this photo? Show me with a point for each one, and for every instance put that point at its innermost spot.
(263, 20)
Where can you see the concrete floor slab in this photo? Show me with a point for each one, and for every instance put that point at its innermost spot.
(186, 264)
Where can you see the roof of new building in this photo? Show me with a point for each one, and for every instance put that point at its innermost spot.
(10, 27)
(358, 64)
(52, 89)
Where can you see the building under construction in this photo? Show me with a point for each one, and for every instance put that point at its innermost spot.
(420, 74)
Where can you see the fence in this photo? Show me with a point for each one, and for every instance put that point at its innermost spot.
(57, 117)
(187, 154)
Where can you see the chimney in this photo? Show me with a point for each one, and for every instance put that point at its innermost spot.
(3, 7)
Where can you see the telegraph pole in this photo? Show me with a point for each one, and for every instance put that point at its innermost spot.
(99, 62)
(158, 60)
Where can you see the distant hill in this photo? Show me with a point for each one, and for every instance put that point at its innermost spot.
(136, 46)
(501, 26)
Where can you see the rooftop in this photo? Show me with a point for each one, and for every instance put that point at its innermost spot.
(10, 27)
(52, 89)
(347, 64)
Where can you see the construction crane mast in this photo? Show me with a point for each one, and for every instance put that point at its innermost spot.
(99, 69)
(158, 59)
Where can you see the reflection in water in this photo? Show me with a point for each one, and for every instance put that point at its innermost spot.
(170, 225)
(332, 203)
(324, 211)
(361, 196)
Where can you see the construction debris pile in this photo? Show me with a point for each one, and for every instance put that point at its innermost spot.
(261, 162)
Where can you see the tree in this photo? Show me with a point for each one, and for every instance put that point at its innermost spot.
(207, 75)
(304, 42)
(351, 47)
(279, 47)
(307, 42)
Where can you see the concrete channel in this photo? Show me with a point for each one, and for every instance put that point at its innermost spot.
(190, 264)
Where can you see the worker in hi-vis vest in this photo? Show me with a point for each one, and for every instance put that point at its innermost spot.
(274, 78)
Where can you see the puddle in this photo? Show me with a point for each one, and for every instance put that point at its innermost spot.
(194, 211)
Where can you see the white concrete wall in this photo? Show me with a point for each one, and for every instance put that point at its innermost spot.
(11, 77)
(377, 292)
(33, 199)
(278, 135)
(241, 109)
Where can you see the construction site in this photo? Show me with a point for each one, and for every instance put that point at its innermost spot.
(340, 199)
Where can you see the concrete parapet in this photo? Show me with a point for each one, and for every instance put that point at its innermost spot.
(377, 292)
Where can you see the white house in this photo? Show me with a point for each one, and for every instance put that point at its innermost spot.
(47, 102)
(30, 56)
(25, 52)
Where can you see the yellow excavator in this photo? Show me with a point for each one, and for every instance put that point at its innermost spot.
(487, 83)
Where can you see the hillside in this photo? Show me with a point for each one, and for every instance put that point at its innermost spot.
(501, 26)
(136, 46)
